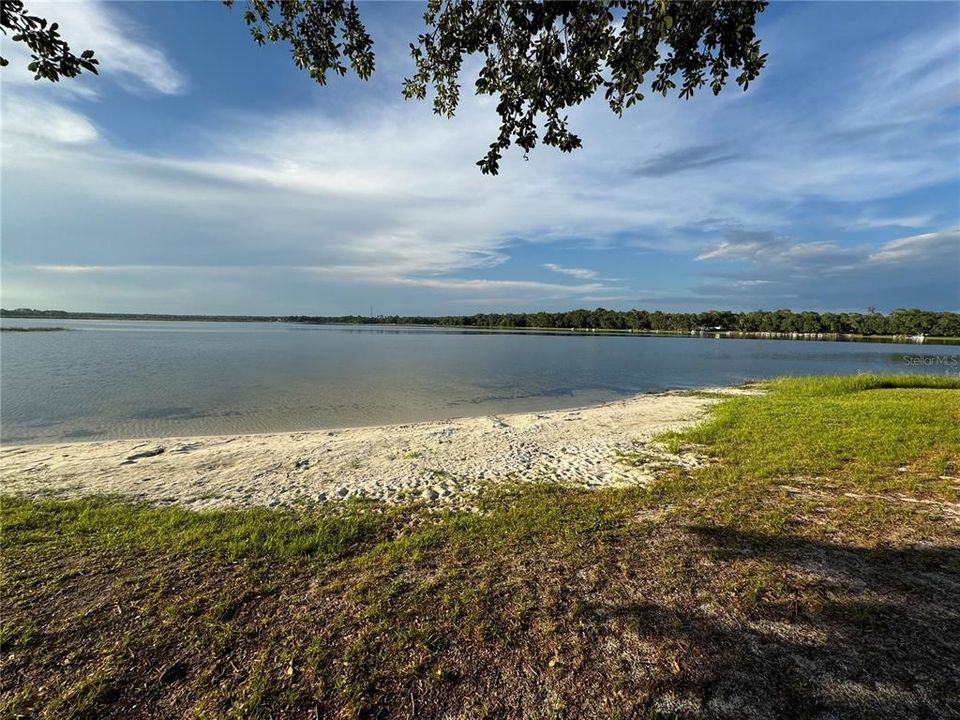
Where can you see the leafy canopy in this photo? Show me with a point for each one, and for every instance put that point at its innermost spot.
(538, 58)
(50, 56)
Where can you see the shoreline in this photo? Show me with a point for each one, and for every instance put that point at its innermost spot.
(436, 462)
(818, 336)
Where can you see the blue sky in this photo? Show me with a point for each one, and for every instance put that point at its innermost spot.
(200, 173)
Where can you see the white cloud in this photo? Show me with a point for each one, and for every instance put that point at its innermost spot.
(133, 269)
(48, 121)
(120, 45)
(75, 269)
(919, 248)
(572, 272)
(768, 251)
(907, 81)
(915, 271)
(392, 198)
(752, 283)
(871, 221)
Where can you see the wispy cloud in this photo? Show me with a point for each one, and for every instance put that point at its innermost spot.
(125, 53)
(571, 271)
(918, 270)
(926, 248)
(59, 125)
(689, 158)
(390, 202)
(873, 221)
(743, 245)
(768, 249)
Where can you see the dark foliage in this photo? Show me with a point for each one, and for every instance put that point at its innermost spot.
(542, 58)
(899, 322)
(539, 58)
(50, 54)
(322, 34)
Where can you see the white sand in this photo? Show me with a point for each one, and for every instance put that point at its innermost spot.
(439, 462)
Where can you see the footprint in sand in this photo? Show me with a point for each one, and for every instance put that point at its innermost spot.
(132, 459)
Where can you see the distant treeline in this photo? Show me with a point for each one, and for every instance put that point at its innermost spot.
(898, 322)
(64, 315)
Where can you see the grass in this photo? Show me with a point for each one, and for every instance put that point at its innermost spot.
(861, 434)
(229, 535)
(816, 551)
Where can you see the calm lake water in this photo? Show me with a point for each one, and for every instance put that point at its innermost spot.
(109, 379)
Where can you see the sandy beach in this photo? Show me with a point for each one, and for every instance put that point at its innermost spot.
(437, 462)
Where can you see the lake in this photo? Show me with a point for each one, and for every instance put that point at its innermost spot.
(115, 379)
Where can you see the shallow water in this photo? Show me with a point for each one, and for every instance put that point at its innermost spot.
(112, 379)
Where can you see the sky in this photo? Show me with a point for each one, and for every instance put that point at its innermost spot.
(199, 173)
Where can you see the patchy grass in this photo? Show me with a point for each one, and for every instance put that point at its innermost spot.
(810, 570)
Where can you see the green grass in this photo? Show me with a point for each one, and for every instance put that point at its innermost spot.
(571, 603)
(508, 517)
(861, 434)
(859, 430)
(318, 532)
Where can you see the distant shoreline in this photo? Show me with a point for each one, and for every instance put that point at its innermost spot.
(372, 323)
(34, 329)
(901, 322)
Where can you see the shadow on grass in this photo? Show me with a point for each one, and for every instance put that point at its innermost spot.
(556, 605)
(758, 626)
(846, 632)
